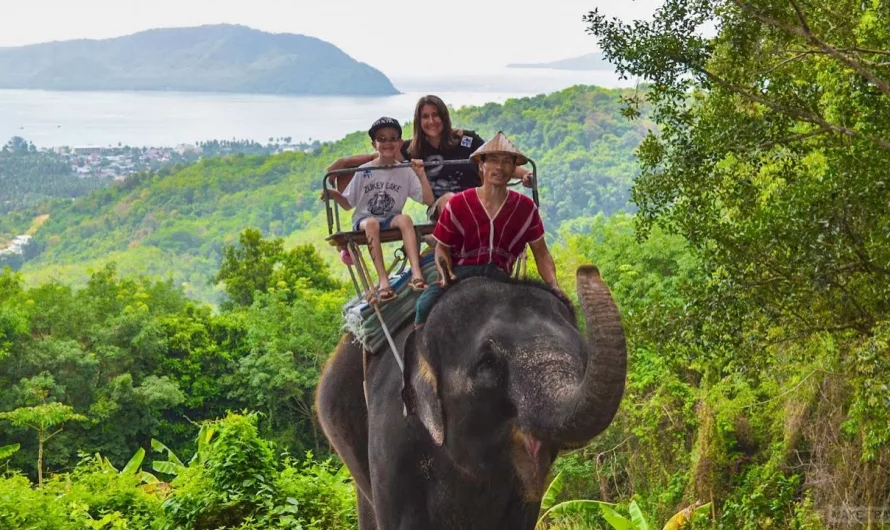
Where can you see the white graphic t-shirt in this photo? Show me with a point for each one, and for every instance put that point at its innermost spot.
(381, 193)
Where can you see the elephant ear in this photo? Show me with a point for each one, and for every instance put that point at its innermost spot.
(420, 389)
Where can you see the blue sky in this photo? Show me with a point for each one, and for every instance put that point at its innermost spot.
(396, 36)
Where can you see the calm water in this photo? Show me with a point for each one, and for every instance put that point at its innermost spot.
(168, 118)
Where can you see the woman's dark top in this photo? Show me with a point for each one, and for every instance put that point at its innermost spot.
(455, 178)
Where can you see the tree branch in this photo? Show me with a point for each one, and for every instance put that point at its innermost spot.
(803, 21)
(854, 49)
(804, 32)
(791, 60)
(865, 50)
(53, 434)
(801, 114)
(794, 138)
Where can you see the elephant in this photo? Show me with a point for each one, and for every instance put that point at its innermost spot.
(495, 384)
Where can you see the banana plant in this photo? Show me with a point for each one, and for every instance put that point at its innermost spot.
(687, 514)
(7, 450)
(173, 465)
(550, 508)
(132, 467)
(636, 521)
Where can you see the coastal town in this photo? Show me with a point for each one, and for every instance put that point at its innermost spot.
(117, 162)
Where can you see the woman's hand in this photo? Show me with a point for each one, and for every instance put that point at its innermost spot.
(417, 166)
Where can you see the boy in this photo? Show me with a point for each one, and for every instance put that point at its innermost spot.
(378, 198)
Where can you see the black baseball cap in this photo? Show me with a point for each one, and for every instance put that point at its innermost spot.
(383, 123)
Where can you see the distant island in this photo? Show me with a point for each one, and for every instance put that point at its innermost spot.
(217, 58)
(590, 61)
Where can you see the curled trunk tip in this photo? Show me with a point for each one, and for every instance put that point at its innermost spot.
(599, 394)
(589, 272)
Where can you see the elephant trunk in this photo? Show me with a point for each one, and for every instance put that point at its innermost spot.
(579, 407)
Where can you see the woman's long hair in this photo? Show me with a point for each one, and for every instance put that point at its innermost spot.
(446, 142)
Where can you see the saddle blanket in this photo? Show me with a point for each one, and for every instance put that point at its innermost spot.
(360, 319)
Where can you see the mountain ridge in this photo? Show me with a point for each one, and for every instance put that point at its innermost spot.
(219, 58)
(589, 61)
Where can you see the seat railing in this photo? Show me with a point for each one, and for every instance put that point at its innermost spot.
(330, 182)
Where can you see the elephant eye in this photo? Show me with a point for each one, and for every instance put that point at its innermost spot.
(490, 364)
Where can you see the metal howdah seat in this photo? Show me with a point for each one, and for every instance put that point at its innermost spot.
(352, 241)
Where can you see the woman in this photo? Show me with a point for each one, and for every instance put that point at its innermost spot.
(434, 140)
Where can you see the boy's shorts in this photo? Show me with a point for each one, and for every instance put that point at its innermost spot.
(384, 223)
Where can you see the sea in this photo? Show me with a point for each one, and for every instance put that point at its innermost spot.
(82, 119)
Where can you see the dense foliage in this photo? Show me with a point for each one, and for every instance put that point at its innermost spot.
(759, 381)
(174, 222)
(237, 480)
(139, 360)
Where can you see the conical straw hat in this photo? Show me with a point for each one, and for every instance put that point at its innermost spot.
(499, 144)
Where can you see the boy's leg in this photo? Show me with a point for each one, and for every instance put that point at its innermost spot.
(409, 240)
(371, 227)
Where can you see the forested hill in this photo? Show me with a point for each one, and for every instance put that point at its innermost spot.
(220, 58)
(29, 177)
(175, 222)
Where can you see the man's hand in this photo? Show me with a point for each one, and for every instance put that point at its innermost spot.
(443, 265)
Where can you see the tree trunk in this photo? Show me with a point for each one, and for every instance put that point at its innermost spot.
(40, 439)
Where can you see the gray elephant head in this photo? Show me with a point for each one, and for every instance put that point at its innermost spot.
(502, 378)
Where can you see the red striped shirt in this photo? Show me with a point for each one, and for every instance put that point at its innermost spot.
(476, 239)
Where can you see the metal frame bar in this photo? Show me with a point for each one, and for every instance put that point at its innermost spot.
(333, 212)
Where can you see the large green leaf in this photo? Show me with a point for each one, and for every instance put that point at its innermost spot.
(636, 515)
(148, 478)
(618, 522)
(105, 463)
(171, 456)
(170, 468)
(574, 507)
(7, 450)
(204, 436)
(342, 473)
(553, 491)
(132, 466)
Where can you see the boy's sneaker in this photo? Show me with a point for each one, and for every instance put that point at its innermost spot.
(345, 257)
